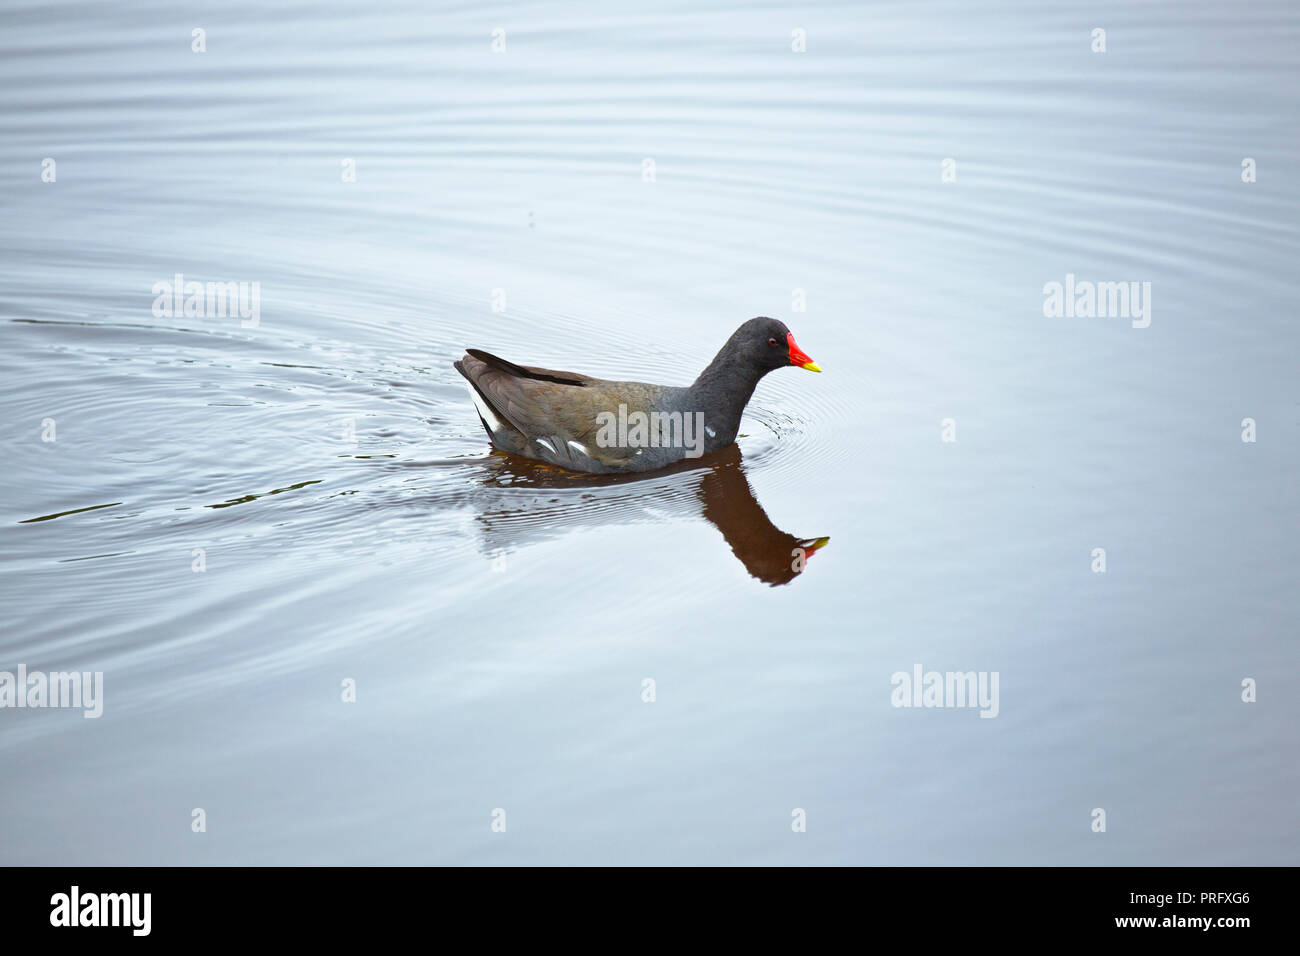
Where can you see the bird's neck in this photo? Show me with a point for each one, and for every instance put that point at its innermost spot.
(722, 391)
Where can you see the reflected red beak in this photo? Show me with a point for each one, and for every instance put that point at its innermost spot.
(798, 356)
(810, 547)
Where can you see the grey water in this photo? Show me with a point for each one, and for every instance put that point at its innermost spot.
(335, 627)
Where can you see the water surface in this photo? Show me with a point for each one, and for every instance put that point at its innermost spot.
(327, 471)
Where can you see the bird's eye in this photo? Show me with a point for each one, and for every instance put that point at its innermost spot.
(772, 342)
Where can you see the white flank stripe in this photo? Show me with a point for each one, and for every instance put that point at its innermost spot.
(494, 423)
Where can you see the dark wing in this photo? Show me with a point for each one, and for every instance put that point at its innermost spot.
(548, 414)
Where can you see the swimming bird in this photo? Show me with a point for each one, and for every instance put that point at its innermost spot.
(606, 427)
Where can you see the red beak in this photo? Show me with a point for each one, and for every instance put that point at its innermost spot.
(798, 356)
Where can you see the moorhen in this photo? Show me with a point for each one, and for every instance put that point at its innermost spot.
(604, 427)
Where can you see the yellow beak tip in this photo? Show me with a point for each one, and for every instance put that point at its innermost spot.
(812, 367)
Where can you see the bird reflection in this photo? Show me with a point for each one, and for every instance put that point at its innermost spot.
(714, 486)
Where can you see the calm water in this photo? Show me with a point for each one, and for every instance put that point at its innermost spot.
(327, 471)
